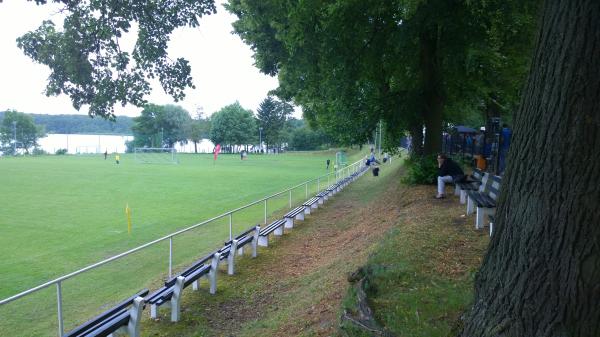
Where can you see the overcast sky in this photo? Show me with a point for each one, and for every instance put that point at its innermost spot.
(222, 66)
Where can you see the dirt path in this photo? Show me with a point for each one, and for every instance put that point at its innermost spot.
(296, 285)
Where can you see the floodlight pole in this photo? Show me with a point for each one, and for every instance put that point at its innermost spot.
(14, 138)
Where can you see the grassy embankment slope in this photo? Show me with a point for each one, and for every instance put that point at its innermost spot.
(421, 252)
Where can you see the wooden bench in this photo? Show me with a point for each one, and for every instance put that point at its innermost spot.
(244, 239)
(310, 203)
(170, 294)
(324, 195)
(275, 227)
(296, 213)
(124, 317)
(236, 247)
(333, 189)
(477, 179)
(485, 201)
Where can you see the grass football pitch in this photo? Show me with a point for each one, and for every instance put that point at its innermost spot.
(62, 213)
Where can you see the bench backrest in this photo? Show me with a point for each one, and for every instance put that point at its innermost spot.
(103, 316)
(485, 182)
(196, 265)
(477, 174)
(241, 235)
(494, 188)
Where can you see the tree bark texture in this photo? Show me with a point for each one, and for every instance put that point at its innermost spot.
(541, 275)
(416, 135)
(433, 104)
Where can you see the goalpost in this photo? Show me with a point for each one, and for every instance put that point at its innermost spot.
(156, 155)
(87, 150)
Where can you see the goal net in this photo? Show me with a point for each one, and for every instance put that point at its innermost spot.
(154, 155)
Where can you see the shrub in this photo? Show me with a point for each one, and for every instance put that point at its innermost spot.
(61, 152)
(38, 152)
(421, 170)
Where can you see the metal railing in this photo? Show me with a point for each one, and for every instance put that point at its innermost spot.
(337, 175)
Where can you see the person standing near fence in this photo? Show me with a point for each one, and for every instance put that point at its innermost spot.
(117, 158)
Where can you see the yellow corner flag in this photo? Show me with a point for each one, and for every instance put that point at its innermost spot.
(128, 213)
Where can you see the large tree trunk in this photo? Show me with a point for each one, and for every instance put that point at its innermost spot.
(541, 276)
(432, 93)
(416, 136)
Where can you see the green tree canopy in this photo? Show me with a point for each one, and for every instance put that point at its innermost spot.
(271, 115)
(352, 63)
(87, 60)
(198, 129)
(161, 125)
(233, 125)
(306, 139)
(19, 125)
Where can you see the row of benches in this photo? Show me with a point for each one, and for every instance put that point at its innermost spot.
(125, 317)
(480, 194)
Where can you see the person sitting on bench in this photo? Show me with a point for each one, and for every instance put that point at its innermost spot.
(448, 171)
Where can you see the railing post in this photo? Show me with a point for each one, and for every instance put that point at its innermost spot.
(61, 330)
(265, 211)
(306, 189)
(230, 226)
(290, 198)
(170, 257)
(318, 185)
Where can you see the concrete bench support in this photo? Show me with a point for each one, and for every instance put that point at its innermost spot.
(263, 241)
(135, 316)
(174, 303)
(212, 274)
(231, 257)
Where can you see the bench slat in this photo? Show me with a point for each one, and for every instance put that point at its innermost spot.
(272, 227)
(111, 326)
(294, 212)
(241, 235)
(103, 316)
(310, 201)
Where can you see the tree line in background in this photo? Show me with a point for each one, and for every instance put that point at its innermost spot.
(233, 126)
(73, 124)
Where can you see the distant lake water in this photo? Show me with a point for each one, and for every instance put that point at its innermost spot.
(82, 144)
